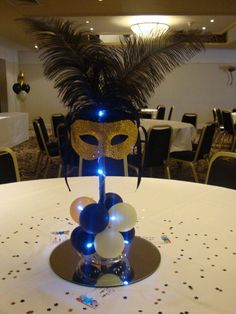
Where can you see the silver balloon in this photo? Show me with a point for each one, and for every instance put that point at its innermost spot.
(109, 243)
(123, 217)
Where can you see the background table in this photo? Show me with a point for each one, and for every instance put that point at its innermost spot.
(14, 128)
(197, 273)
(182, 133)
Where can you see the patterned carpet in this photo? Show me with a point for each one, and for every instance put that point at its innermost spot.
(27, 156)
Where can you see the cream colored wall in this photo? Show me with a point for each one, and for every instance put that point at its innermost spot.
(10, 55)
(199, 86)
(195, 87)
(42, 100)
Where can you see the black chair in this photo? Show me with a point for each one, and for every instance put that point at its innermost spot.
(202, 150)
(219, 134)
(214, 112)
(133, 158)
(69, 158)
(160, 112)
(222, 170)
(170, 112)
(157, 150)
(56, 119)
(145, 115)
(47, 148)
(229, 129)
(190, 118)
(9, 171)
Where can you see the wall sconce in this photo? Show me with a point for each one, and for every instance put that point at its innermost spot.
(149, 29)
(21, 88)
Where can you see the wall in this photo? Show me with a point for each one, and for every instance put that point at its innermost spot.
(42, 99)
(197, 87)
(10, 55)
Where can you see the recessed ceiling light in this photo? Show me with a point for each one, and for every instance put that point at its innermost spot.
(91, 28)
(36, 46)
(204, 28)
(212, 20)
(100, 0)
(87, 22)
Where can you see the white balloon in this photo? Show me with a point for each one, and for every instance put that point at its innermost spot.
(22, 95)
(123, 217)
(109, 280)
(109, 243)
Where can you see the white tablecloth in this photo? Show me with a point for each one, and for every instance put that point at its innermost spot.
(197, 273)
(182, 136)
(14, 128)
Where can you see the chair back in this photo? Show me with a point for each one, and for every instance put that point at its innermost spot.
(161, 112)
(190, 118)
(222, 170)
(45, 146)
(228, 122)
(158, 146)
(170, 112)
(70, 159)
(205, 141)
(43, 129)
(214, 112)
(39, 135)
(219, 118)
(56, 119)
(9, 171)
(145, 115)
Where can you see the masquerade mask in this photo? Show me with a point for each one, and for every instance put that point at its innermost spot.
(92, 140)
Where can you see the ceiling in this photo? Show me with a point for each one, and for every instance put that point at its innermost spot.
(109, 17)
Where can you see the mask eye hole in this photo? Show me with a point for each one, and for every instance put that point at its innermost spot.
(89, 139)
(118, 139)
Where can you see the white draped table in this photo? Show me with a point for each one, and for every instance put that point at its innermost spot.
(197, 273)
(14, 128)
(182, 133)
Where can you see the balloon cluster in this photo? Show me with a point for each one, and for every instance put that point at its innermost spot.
(21, 88)
(104, 228)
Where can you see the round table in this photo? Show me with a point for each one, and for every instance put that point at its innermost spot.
(197, 273)
(182, 133)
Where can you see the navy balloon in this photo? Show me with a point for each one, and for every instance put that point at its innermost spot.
(94, 218)
(112, 199)
(82, 241)
(25, 87)
(128, 236)
(16, 88)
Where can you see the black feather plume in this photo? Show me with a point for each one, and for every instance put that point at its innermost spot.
(87, 72)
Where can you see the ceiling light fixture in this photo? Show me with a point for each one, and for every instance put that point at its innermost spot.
(149, 29)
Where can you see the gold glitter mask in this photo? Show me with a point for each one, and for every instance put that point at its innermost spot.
(92, 140)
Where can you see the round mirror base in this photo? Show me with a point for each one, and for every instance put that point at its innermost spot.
(142, 260)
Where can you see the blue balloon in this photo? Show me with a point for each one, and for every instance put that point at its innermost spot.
(25, 87)
(16, 88)
(82, 241)
(94, 218)
(112, 199)
(128, 236)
